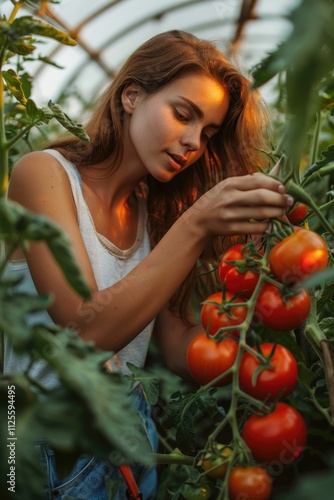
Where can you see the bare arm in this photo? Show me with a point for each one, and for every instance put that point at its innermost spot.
(114, 316)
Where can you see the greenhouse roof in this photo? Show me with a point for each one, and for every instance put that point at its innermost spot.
(107, 31)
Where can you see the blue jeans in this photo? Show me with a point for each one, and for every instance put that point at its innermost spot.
(86, 481)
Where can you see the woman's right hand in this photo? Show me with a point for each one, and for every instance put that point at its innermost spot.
(240, 205)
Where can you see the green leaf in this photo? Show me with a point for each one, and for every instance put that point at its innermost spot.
(185, 433)
(14, 309)
(18, 225)
(319, 278)
(327, 156)
(208, 404)
(75, 128)
(47, 114)
(20, 47)
(179, 413)
(32, 110)
(311, 485)
(327, 324)
(113, 487)
(14, 85)
(27, 25)
(149, 383)
(26, 81)
(305, 375)
(81, 369)
(311, 23)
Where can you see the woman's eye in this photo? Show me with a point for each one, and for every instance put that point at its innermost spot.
(180, 115)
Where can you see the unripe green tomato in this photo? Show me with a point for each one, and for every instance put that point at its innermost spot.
(214, 463)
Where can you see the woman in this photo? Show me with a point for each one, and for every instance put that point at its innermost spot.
(173, 141)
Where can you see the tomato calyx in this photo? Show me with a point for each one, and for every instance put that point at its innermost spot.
(289, 291)
(243, 257)
(265, 361)
(251, 259)
(227, 304)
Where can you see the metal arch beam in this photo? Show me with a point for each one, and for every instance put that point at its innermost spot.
(246, 14)
(192, 29)
(109, 42)
(50, 16)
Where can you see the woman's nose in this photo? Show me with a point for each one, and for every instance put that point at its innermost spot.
(192, 138)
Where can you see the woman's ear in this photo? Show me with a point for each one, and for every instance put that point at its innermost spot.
(132, 94)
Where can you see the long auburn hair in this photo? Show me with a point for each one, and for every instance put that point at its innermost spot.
(234, 150)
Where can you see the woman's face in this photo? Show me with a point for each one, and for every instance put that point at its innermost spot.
(169, 130)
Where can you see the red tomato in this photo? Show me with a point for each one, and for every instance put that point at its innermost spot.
(279, 313)
(244, 282)
(249, 483)
(278, 436)
(297, 213)
(298, 256)
(279, 380)
(233, 253)
(206, 359)
(215, 316)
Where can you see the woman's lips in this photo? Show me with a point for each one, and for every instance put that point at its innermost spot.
(177, 161)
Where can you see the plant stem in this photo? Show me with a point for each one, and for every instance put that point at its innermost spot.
(23, 132)
(325, 206)
(17, 6)
(329, 372)
(3, 139)
(172, 458)
(315, 139)
(319, 173)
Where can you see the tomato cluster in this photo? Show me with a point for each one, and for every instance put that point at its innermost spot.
(267, 291)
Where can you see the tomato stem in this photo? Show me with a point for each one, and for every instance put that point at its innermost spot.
(176, 457)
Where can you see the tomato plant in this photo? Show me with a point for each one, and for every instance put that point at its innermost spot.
(250, 483)
(282, 310)
(298, 256)
(214, 462)
(279, 435)
(276, 380)
(207, 359)
(297, 213)
(216, 313)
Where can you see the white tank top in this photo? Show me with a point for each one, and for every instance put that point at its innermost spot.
(110, 264)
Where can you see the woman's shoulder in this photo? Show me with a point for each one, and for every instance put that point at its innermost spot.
(39, 162)
(38, 176)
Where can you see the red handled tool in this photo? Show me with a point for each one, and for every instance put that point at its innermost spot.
(133, 489)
